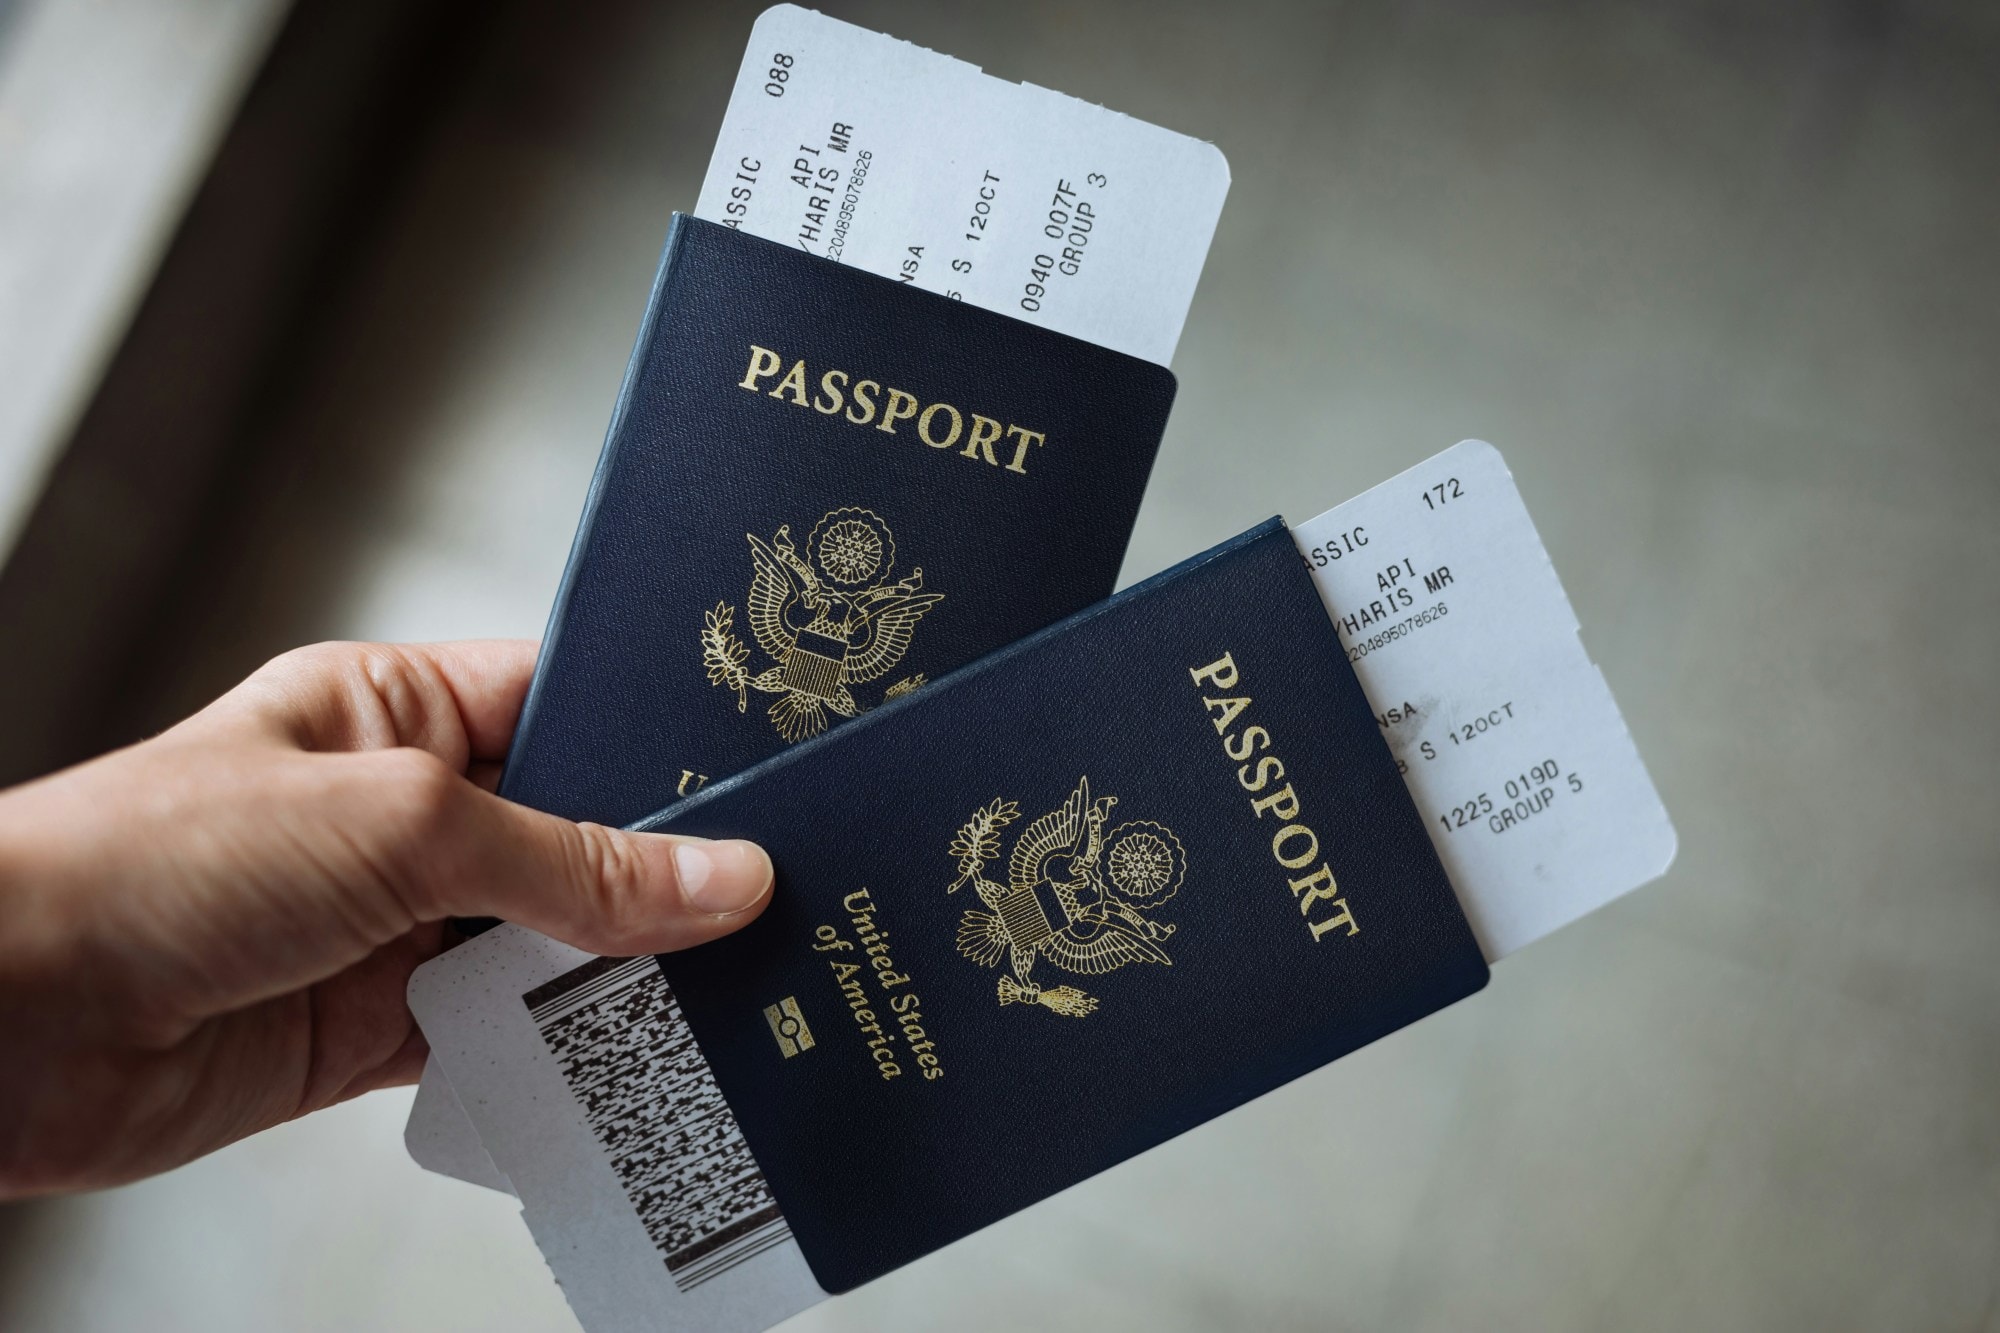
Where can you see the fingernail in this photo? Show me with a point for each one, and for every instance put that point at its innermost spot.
(721, 878)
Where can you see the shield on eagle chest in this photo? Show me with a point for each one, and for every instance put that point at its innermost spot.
(814, 665)
(1031, 914)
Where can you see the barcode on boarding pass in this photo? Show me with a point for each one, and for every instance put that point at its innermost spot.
(649, 1098)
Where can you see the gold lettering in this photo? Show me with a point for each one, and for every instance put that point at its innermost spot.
(1269, 769)
(900, 407)
(1346, 918)
(1028, 437)
(1319, 887)
(869, 403)
(834, 398)
(1242, 747)
(924, 426)
(1287, 833)
(1295, 845)
(864, 398)
(1231, 708)
(902, 1014)
(1284, 803)
(985, 430)
(1316, 886)
(1214, 672)
(763, 361)
(793, 386)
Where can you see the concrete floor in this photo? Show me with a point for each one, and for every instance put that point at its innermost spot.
(1720, 283)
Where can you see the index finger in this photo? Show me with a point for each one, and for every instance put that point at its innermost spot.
(488, 680)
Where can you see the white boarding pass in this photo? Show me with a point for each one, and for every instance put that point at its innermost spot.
(869, 151)
(1504, 729)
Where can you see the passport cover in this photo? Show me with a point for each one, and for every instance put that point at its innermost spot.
(819, 488)
(1083, 895)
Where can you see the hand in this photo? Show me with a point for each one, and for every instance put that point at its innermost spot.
(210, 932)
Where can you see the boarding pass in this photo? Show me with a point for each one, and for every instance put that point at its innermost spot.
(872, 152)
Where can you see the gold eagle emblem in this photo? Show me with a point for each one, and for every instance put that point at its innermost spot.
(1076, 896)
(828, 618)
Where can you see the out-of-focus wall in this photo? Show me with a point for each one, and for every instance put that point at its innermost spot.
(169, 272)
(1718, 279)
(109, 113)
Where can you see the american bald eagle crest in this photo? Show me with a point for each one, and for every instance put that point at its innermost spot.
(829, 618)
(1076, 896)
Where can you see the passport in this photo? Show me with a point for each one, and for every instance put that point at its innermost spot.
(1077, 898)
(820, 488)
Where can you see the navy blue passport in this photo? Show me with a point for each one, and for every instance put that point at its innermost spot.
(820, 488)
(1078, 897)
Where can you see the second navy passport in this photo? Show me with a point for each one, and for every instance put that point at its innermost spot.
(1079, 897)
(820, 489)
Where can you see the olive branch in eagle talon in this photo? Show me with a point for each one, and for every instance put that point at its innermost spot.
(724, 654)
(979, 841)
(828, 617)
(1075, 896)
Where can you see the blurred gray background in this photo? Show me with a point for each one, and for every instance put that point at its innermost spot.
(1719, 279)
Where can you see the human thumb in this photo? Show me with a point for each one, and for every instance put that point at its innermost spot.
(603, 889)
